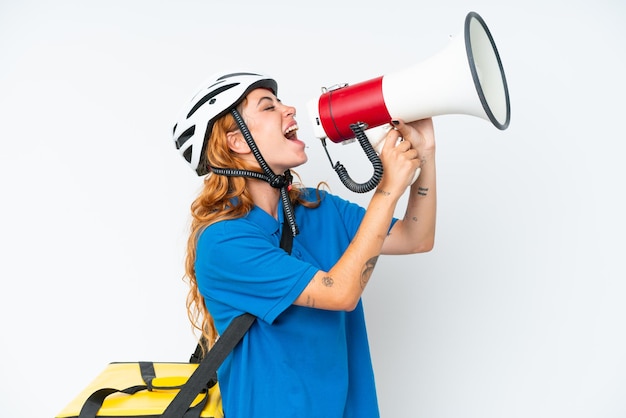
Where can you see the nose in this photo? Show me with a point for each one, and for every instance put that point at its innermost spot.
(289, 111)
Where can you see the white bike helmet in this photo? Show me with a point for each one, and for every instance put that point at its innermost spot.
(218, 95)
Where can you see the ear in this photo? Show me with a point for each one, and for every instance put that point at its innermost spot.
(237, 143)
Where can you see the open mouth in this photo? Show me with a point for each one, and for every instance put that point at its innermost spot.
(290, 133)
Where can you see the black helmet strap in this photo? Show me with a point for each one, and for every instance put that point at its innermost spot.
(282, 182)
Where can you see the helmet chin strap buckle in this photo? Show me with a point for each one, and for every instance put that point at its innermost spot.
(283, 183)
(280, 181)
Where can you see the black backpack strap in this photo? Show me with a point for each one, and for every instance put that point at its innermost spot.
(197, 355)
(203, 377)
(94, 402)
(286, 239)
(286, 243)
(207, 368)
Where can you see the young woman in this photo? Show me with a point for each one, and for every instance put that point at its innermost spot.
(307, 354)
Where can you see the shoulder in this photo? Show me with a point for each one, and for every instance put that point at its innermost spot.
(324, 197)
(224, 233)
(332, 213)
(221, 229)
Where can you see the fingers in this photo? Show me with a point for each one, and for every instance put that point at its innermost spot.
(400, 157)
(395, 138)
(403, 145)
(396, 135)
(400, 146)
(405, 131)
(391, 139)
(420, 133)
(400, 126)
(412, 154)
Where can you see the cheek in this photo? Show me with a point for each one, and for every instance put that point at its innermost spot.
(249, 121)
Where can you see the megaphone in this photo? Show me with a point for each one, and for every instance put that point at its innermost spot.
(467, 77)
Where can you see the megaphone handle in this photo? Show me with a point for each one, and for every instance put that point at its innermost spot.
(358, 129)
(378, 147)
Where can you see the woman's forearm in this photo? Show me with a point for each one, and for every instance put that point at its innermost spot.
(341, 287)
(415, 233)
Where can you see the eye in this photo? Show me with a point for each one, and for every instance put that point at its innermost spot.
(272, 107)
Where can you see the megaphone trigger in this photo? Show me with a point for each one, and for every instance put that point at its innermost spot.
(377, 136)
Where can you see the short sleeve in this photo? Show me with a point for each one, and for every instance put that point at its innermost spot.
(240, 267)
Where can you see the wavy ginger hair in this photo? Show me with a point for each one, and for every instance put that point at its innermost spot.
(215, 203)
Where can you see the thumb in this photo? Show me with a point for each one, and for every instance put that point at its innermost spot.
(391, 139)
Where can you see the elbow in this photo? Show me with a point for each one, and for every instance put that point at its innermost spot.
(346, 302)
(342, 290)
(332, 291)
(424, 246)
(351, 305)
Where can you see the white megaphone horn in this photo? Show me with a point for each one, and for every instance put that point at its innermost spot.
(466, 77)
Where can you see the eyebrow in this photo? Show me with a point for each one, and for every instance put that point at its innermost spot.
(263, 99)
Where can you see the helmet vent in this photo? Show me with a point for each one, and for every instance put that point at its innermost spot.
(187, 154)
(210, 96)
(185, 136)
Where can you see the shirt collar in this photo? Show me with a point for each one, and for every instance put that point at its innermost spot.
(265, 220)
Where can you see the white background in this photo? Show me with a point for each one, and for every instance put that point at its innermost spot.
(518, 311)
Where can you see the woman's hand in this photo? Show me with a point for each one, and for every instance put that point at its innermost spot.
(406, 148)
(421, 133)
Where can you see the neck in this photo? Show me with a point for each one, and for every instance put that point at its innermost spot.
(264, 196)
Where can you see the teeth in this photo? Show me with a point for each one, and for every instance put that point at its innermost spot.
(291, 129)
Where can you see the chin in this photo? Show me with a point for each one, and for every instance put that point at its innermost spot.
(305, 158)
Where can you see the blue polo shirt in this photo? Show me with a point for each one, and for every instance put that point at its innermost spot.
(294, 361)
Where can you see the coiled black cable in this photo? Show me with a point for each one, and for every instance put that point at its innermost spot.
(342, 172)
